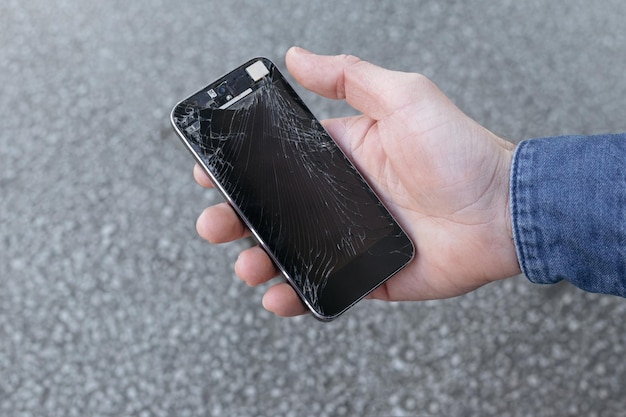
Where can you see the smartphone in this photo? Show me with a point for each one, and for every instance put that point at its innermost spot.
(290, 183)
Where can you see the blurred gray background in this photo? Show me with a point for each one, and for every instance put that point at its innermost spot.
(111, 305)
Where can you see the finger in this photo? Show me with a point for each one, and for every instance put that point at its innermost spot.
(283, 301)
(255, 267)
(220, 224)
(368, 88)
(201, 177)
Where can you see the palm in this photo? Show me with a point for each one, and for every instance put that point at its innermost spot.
(440, 187)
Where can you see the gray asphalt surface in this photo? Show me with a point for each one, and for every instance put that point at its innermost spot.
(110, 305)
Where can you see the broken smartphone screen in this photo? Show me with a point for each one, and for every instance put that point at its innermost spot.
(303, 200)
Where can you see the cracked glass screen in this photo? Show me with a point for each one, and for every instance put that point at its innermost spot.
(290, 183)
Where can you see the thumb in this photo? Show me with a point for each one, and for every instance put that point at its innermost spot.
(372, 90)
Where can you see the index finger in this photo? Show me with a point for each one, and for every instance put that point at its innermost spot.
(201, 177)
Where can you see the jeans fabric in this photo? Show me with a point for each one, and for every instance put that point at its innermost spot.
(568, 208)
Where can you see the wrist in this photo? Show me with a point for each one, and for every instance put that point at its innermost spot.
(509, 252)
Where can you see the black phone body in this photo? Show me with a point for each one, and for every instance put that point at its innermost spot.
(303, 200)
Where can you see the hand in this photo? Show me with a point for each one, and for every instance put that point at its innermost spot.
(443, 176)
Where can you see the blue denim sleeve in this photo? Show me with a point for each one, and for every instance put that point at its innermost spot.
(568, 208)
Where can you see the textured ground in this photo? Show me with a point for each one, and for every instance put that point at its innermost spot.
(110, 305)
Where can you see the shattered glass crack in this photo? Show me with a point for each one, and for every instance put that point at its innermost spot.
(288, 181)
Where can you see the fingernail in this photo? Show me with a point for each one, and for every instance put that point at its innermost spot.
(300, 50)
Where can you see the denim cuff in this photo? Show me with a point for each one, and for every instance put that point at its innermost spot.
(568, 209)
